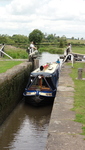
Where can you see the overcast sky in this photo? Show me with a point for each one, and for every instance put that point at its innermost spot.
(60, 17)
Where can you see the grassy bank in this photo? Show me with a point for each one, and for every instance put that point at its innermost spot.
(5, 65)
(78, 49)
(79, 96)
(15, 53)
(53, 49)
(18, 53)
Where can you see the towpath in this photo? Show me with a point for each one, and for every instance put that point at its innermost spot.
(64, 132)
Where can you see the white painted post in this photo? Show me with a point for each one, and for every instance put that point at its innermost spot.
(72, 58)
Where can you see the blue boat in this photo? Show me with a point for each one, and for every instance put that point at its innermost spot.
(42, 84)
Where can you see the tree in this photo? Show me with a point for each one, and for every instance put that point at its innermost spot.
(72, 38)
(50, 37)
(3, 39)
(36, 36)
(61, 43)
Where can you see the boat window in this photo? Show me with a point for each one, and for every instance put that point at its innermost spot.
(40, 84)
(49, 80)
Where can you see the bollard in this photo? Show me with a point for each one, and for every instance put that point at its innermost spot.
(80, 73)
(36, 63)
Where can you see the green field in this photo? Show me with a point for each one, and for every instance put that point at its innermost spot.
(5, 65)
(76, 41)
(78, 49)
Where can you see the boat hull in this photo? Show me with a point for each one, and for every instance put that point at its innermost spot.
(39, 101)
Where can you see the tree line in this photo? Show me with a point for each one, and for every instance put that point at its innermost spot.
(36, 36)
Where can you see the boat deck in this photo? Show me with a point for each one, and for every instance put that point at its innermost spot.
(50, 69)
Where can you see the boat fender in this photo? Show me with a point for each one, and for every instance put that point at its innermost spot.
(41, 68)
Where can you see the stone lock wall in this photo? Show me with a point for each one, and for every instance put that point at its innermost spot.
(12, 85)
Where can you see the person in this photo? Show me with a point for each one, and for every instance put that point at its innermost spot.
(68, 50)
(58, 61)
(32, 47)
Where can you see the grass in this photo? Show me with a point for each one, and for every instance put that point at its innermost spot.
(15, 53)
(79, 96)
(79, 49)
(5, 65)
(75, 41)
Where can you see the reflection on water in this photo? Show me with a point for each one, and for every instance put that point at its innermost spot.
(26, 128)
(47, 58)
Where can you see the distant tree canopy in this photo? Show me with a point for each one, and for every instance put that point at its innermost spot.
(50, 37)
(36, 36)
(13, 39)
(5, 39)
(20, 38)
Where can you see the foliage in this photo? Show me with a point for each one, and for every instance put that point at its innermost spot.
(61, 43)
(21, 41)
(50, 37)
(16, 40)
(19, 53)
(6, 39)
(36, 36)
(5, 65)
(20, 38)
(51, 49)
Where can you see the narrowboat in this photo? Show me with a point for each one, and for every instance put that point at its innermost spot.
(42, 85)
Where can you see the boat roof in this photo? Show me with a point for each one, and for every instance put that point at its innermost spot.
(49, 70)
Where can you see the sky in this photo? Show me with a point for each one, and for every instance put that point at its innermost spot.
(60, 17)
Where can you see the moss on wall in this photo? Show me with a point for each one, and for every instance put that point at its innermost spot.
(12, 84)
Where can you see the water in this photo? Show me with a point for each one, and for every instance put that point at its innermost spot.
(26, 127)
(47, 58)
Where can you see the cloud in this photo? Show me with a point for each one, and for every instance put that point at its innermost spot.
(63, 17)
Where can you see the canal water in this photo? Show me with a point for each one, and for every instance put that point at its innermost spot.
(26, 127)
(47, 58)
